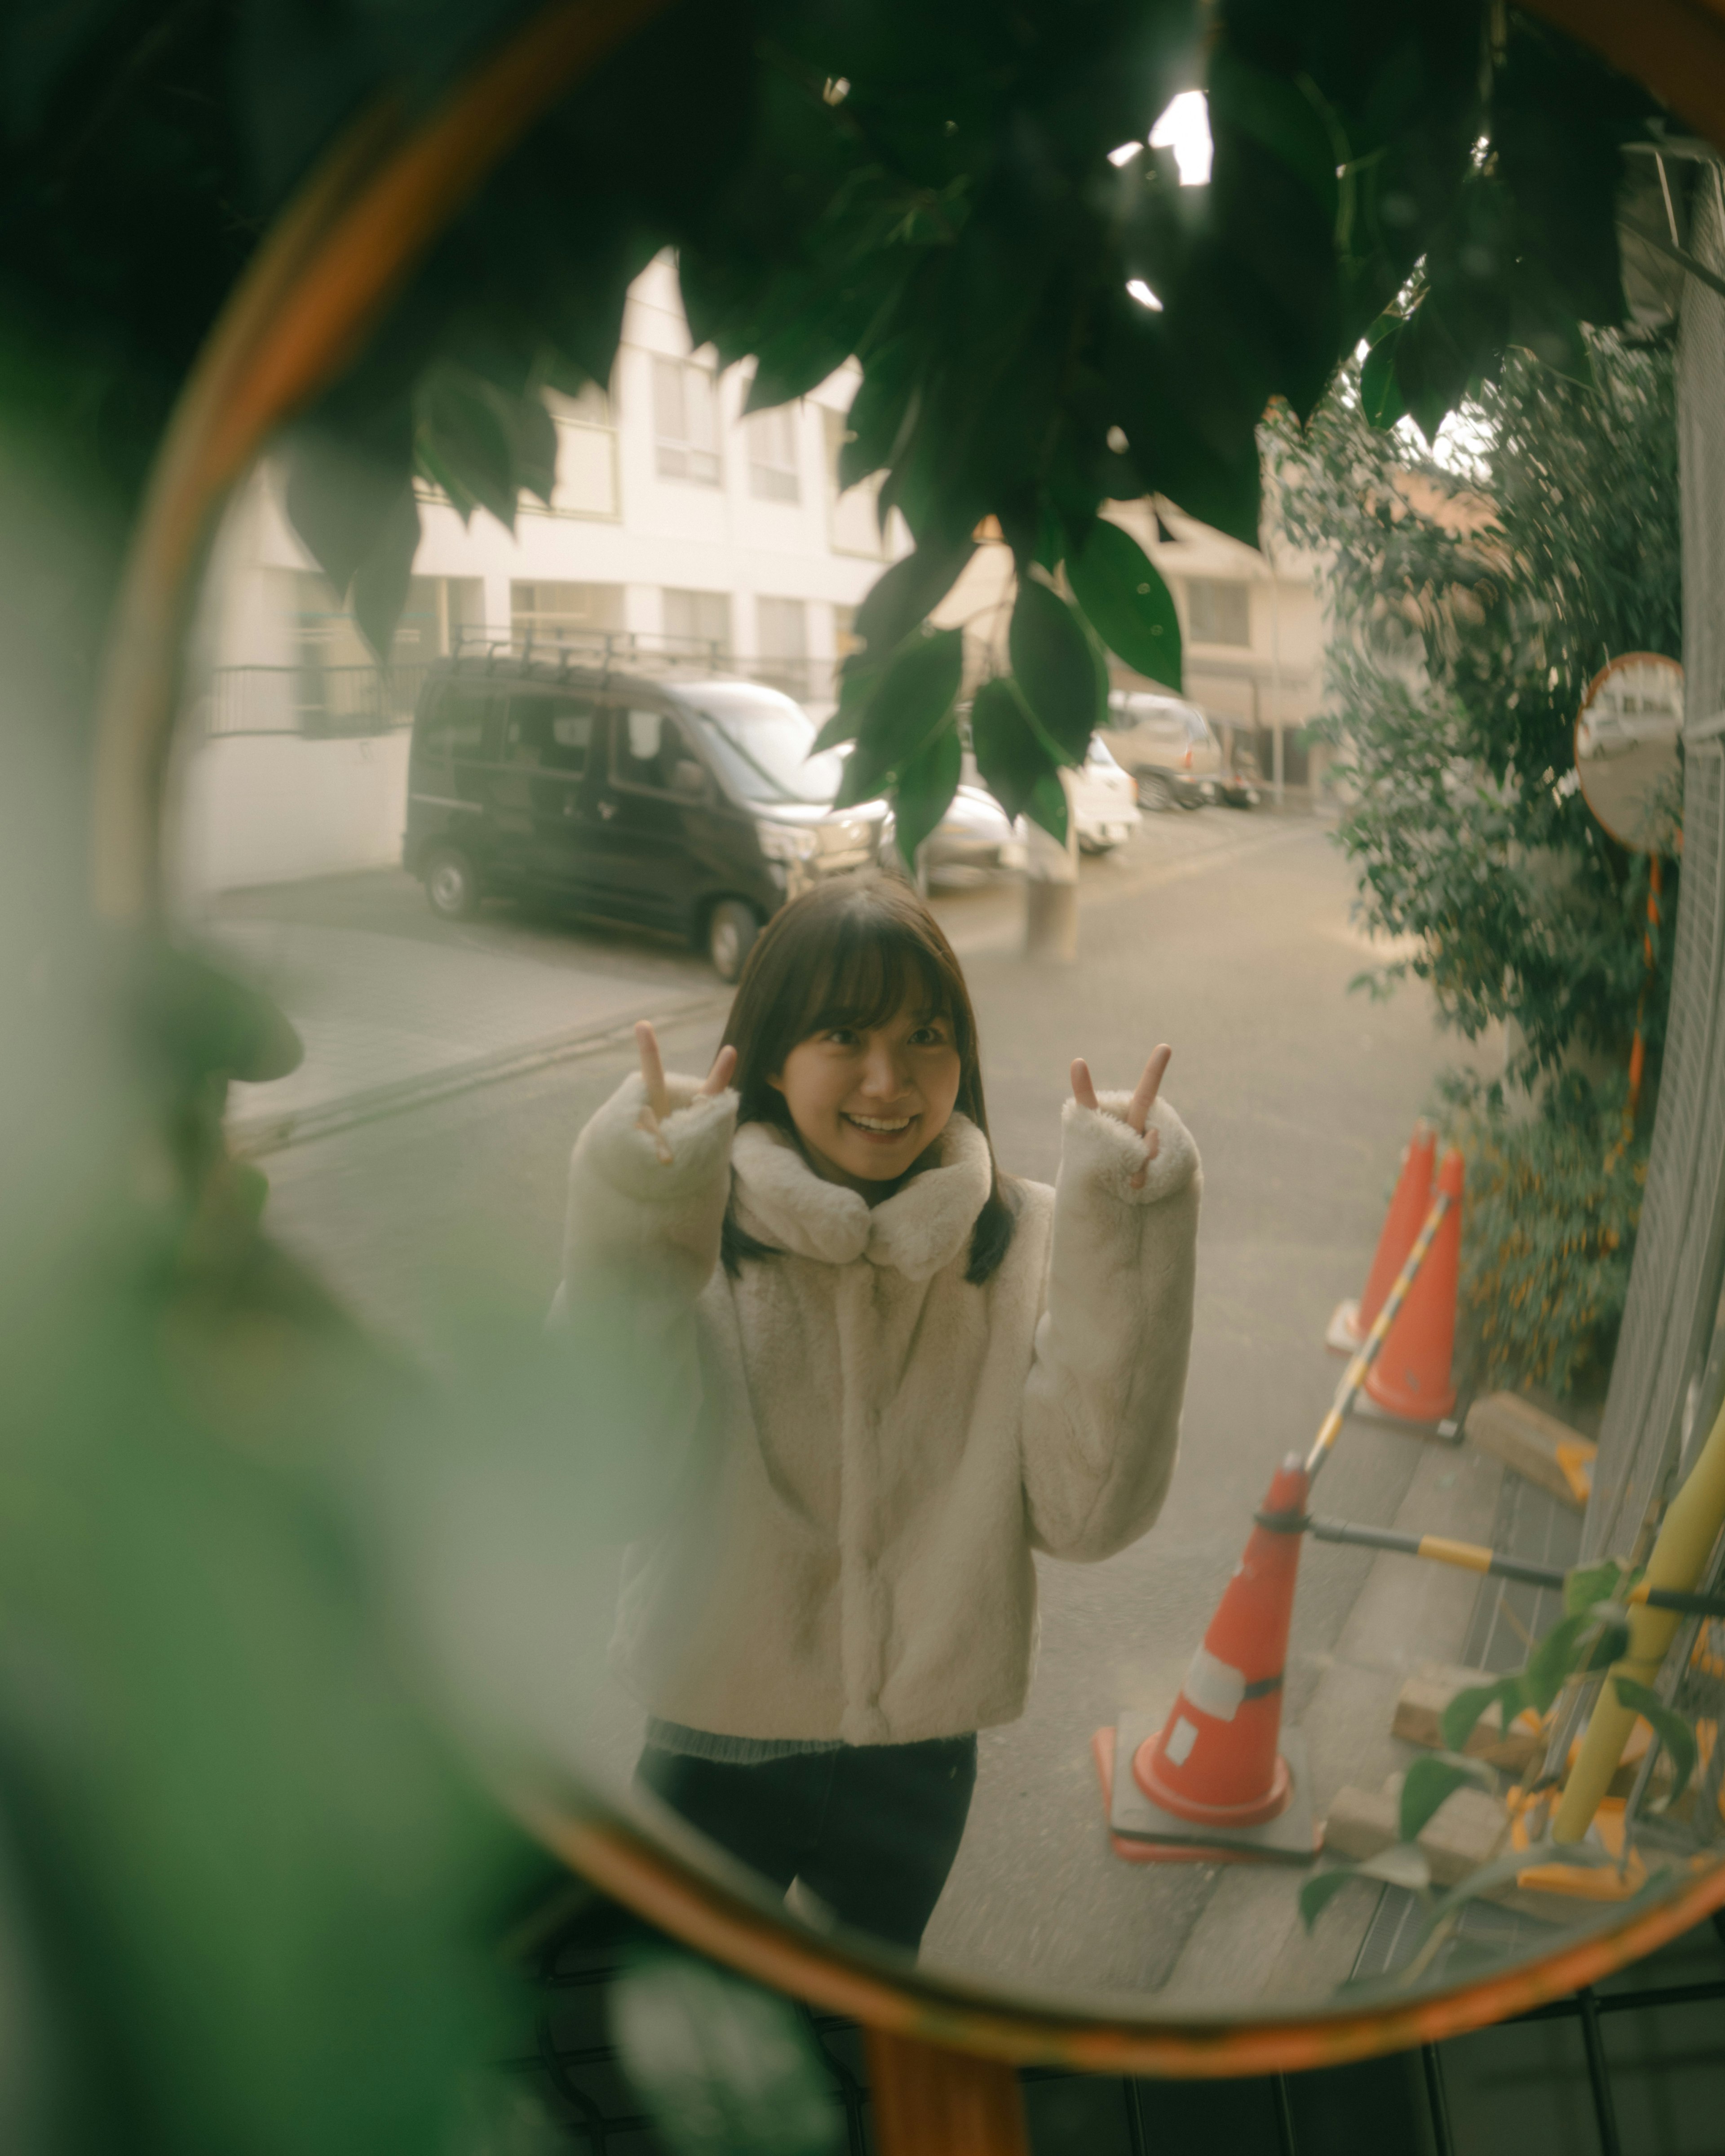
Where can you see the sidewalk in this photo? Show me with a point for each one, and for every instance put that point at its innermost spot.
(396, 1007)
(388, 1023)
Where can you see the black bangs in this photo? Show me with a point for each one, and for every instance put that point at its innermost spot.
(872, 972)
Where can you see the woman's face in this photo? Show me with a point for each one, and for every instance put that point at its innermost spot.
(868, 1105)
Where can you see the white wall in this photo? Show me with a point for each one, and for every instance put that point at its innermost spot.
(272, 808)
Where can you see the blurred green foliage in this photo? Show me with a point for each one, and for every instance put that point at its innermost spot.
(1472, 609)
(931, 193)
(1553, 1200)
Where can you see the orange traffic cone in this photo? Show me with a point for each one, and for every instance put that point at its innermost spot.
(1411, 1376)
(1216, 1761)
(1408, 1205)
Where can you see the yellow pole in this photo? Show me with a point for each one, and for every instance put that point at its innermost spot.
(1686, 1536)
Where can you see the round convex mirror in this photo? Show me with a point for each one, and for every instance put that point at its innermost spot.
(1627, 756)
(1160, 1539)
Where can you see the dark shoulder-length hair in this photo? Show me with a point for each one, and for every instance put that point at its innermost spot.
(854, 952)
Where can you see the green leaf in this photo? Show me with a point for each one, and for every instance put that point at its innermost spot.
(858, 680)
(1431, 1781)
(1319, 1891)
(380, 584)
(1380, 392)
(1465, 1710)
(908, 706)
(723, 2067)
(1282, 115)
(1401, 1864)
(1555, 1659)
(342, 492)
(1126, 603)
(1612, 1641)
(463, 433)
(1668, 1726)
(1012, 758)
(533, 442)
(1585, 1584)
(1056, 673)
(1047, 806)
(904, 596)
(879, 409)
(925, 790)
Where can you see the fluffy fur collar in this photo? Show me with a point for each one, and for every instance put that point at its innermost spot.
(917, 1231)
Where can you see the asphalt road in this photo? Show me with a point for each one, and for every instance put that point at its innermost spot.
(1229, 937)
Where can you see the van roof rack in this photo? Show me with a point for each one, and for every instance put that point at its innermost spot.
(601, 650)
(594, 656)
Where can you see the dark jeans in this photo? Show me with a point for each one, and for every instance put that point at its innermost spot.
(871, 1828)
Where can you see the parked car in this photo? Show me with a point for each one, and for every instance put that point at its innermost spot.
(693, 806)
(1105, 800)
(1167, 745)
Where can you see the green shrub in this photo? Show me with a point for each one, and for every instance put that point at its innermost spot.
(1548, 1228)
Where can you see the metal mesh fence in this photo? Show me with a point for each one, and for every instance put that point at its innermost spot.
(1674, 1286)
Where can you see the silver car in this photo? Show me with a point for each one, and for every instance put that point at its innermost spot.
(1167, 745)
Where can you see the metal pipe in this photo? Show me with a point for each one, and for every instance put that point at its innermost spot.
(1476, 1557)
(1680, 1550)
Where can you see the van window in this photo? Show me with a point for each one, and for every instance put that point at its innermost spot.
(646, 745)
(456, 727)
(551, 733)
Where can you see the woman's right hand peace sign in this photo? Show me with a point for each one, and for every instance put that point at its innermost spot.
(659, 1105)
(1138, 1112)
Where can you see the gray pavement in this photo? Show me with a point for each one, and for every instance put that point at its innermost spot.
(1230, 937)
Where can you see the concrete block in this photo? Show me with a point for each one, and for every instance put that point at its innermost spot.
(1419, 1708)
(1541, 1448)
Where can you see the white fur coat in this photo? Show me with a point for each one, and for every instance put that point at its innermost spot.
(870, 1447)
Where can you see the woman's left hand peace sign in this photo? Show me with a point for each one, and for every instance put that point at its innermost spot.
(659, 1106)
(1137, 1113)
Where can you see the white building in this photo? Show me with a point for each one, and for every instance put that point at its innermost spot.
(673, 518)
(674, 521)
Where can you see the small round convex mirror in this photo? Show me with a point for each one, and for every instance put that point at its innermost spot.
(1626, 754)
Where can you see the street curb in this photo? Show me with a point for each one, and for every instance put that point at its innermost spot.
(250, 1137)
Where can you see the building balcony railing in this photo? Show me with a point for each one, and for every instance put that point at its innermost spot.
(318, 703)
(326, 703)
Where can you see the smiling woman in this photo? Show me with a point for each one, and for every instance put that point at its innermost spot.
(895, 1380)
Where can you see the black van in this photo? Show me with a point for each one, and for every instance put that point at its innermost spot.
(690, 806)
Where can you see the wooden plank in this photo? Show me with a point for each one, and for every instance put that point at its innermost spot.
(1535, 1444)
(1419, 1708)
(1468, 1830)
(930, 2102)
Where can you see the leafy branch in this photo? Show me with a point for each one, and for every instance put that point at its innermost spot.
(1588, 1638)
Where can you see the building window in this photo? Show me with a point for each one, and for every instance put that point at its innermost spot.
(337, 685)
(587, 483)
(1217, 612)
(773, 454)
(547, 613)
(686, 422)
(845, 639)
(782, 644)
(698, 623)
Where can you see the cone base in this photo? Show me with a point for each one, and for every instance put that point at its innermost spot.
(1127, 1847)
(1254, 1812)
(1141, 1832)
(1410, 1406)
(1432, 1420)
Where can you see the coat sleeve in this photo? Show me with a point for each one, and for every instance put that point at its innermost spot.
(640, 1242)
(1101, 1424)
